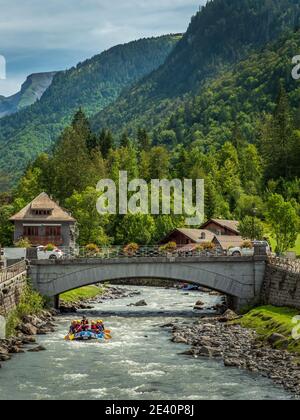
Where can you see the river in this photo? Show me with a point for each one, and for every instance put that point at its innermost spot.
(140, 362)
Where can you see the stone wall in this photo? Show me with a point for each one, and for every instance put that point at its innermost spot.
(10, 293)
(281, 287)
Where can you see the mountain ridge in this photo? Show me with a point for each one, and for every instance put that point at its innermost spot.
(31, 91)
(91, 85)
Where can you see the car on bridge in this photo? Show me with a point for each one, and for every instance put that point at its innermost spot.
(247, 250)
(43, 253)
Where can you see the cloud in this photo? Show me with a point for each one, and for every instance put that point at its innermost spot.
(74, 30)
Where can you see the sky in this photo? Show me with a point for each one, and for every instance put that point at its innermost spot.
(48, 35)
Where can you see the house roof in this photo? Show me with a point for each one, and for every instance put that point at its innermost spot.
(195, 234)
(232, 225)
(227, 241)
(43, 202)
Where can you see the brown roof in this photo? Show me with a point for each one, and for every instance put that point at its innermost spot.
(43, 202)
(227, 241)
(195, 234)
(232, 225)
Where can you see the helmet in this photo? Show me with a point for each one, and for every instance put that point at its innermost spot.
(93, 322)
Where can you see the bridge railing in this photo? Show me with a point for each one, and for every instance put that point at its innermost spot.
(12, 271)
(291, 266)
(117, 252)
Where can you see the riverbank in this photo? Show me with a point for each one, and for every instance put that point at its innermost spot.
(31, 319)
(225, 340)
(275, 325)
(24, 338)
(86, 297)
(143, 362)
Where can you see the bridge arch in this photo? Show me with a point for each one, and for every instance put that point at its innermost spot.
(239, 278)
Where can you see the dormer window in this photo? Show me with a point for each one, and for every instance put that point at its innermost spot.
(42, 212)
(203, 236)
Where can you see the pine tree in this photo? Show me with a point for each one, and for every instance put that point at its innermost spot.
(71, 165)
(278, 139)
(125, 140)
(82, 126)
(106, 142)
(144, 140)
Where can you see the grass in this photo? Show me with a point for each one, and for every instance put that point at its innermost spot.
(31, 303)
(267, 320)
(84, 293)
(295, 249)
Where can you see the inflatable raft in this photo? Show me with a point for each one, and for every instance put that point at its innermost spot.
(87, 336)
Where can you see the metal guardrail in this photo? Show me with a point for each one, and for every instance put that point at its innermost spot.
(12, 271)
(291, 266)
(116, 252)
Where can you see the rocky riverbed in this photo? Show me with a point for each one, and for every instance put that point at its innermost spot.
(25, 339)
(110, 293)
(32, 325)
(236, 347)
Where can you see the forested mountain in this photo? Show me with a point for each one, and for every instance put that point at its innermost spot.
(91, 85)
(232, 105)
(31, 91)
(222, 33)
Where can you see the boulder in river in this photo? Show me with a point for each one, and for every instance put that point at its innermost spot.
(275, 339)
(28, 329)
(140, 303)
(37, 349)
(233, 363)
(229, 315)
(179, 339)
(199, 305)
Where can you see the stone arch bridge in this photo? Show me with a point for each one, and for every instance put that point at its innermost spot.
(240, 278)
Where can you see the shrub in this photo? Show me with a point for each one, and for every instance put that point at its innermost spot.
(247, 244)
(199, 248)
(92, 249)
(131, 249)
(50, 247)
(23, 243)
(169, 247)
(31, 303)
(208, 246)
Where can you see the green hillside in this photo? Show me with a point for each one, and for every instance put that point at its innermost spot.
(219, 36)
(91, 85)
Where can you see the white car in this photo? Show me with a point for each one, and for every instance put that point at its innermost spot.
(247, 251)
(44, 254)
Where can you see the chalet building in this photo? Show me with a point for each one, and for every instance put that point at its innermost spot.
(222, 227)
(44, 222)
(225, 242)
(189, 236)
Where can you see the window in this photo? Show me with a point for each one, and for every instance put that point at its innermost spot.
(42, 212)
(53, 231)
(30, 231)
(203, 235)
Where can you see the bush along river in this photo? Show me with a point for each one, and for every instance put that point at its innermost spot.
(143, 360)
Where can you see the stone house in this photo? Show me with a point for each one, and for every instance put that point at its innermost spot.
(44, 222)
